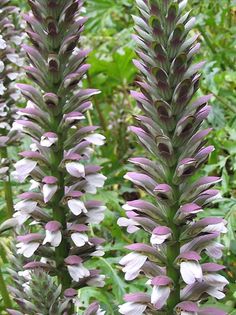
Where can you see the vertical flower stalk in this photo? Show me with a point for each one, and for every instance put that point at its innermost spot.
(9, 59)
(170, 130)
(58, 165)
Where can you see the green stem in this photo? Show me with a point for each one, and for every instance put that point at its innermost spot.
(8, 187)
(59, 214)
(173, 251)
(4, 292)
(207, 39)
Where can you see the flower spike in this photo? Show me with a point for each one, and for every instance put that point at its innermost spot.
(58, 165)
(170, 130)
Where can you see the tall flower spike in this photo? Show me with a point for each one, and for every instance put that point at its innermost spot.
(10, 39)
(170, 130)
(58, 167)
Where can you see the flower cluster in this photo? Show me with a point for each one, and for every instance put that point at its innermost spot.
(57, 206)
(170, 129)
(10, 60)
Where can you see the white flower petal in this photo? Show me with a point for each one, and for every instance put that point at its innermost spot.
(77, 206)
(133, 262)
(160, 295)
(131, 308)
(23, 168)
(79, 239)
(75, 169)
(96, 139)
(190, 271)
(27, 250)
(48, 192)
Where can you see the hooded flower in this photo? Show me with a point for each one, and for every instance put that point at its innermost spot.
(170, 128)
(58, 162)
(136, 304)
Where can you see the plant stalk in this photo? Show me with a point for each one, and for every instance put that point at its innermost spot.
(4, 292)
(7, 186)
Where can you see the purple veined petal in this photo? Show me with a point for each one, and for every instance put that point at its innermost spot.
(70, 293)
(185, 167)
(92, 309)
(53, 226)
(136, 304)
(37, 265)
(161, 281)
(145, 207)
(146, 139)
(152, 270)
(141, 180)
(207, 196)
(212, 267)
(164, 192)
(73, 260)
(203, 154)
(211, 311)
(78, 228)
(205, 242)
(137, 297)
(201, 101)
(188, 211)
(201, 185)
(147, 223)
(73, 117)
(194, 291)
(160, 235)
(48, 139)
(32, 155)
(187, 308)
(31, 196)
(207, 225)
(31, 237)
(50, 180)
(132, 263)
(146, 250)
(23, 169)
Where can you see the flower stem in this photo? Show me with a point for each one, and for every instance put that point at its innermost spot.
(4, 292)
(7, 186)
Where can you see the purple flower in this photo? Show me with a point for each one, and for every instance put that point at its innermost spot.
(170, 130)
(58, 162)
(136, 303)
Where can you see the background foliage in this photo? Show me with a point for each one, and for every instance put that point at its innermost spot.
(108, 33)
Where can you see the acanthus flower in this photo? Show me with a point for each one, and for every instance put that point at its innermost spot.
(169, 128)
(58, 161)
